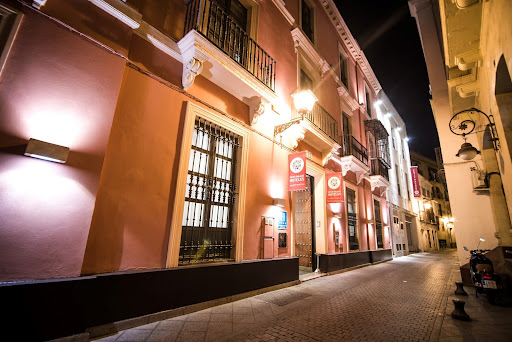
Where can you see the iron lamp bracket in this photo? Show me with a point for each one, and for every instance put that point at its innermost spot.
(467, 122)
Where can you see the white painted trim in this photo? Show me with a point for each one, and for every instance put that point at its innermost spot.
(120, 11)
(301, 41)
(192, 112)
(159, 40)
(38, 3)
(6, 12)
(282, 8)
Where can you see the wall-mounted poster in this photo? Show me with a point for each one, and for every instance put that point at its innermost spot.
(415, 181)
(297, 171)
(334, 182)
(282, 222)
(281, 242)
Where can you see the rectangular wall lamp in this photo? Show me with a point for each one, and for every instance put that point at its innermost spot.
(279, 202)
(46, 151)
(336, 215)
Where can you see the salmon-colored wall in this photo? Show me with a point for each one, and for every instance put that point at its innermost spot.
(61, 89)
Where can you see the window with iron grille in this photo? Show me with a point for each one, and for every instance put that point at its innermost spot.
(353, 241)
(210, 194)
(378, 224)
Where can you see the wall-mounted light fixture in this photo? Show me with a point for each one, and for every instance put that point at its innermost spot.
(388, 114)
(304, 101)
(377, 103)
(336, 215)
(465, 123)
(279, 202)
(46, 151)
(406, 139)
(427, 205)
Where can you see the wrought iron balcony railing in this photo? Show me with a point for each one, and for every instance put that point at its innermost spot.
(208, 19)
(350, 146)
(319, 117)
(378, 168)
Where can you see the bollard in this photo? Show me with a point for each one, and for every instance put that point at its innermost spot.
(458, 312)
(460, 289)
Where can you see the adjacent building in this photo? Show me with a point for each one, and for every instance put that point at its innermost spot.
(171, 131)
(468, 53)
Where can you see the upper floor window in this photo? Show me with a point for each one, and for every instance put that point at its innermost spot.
(305, 81)
(343, 70)
(235, 10)
(308, 20)
(346, 125)
(368, 105)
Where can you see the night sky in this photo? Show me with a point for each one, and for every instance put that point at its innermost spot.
(389, 38)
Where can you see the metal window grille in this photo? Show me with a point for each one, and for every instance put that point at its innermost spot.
(210, 194)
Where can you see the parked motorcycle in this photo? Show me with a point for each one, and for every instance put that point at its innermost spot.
(482, 274)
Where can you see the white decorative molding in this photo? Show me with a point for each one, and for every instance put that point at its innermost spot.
(222, 70)
(280, 4)
(120, 11)
(468, 89)
(330, 155)
(256, 108)
(38, 3)
(297, 136)
(379, 181)
(159, 40)
(355, 51)
(468, 60)
(301, 41)
(190, 70)
(351, 163)
(345, 95)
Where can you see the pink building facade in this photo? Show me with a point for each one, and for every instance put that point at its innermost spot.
(179, 121)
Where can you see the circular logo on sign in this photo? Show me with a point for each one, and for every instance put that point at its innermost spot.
(416, 192)
(296, 165)
(334, 182)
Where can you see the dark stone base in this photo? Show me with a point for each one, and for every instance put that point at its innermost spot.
(340, 261)
(44, 310)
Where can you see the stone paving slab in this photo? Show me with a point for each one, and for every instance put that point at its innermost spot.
(406, 299)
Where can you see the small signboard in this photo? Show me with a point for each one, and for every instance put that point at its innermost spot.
(334, 182)
(297, 171)
(415, 181)
(282, 222)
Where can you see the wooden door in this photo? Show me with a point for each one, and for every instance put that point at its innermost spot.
(303, 224)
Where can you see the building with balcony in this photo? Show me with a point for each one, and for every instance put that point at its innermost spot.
(404, 221)
(436, 223)
(166, 129)
(467, 48)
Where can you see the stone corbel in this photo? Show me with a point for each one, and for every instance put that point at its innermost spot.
(324, 66)
(298, 135)
(38, 3)
(345, 167)
(468, 60)
(360, 176)
(256, 108)
(468, 89)
(191, 69)
(327, 155)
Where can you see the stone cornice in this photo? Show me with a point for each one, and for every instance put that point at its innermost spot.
(355, 51)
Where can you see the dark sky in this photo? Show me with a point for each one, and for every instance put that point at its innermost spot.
(389, 38)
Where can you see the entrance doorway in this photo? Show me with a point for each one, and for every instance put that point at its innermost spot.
(304, 235)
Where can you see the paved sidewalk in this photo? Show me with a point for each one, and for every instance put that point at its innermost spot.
(407, 299)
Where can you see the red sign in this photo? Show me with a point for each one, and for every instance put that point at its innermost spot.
(415, 181)
(297, 171)
(334, 183)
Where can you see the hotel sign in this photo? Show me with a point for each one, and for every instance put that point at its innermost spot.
(334, 183)
(297, 171)
(415, 181)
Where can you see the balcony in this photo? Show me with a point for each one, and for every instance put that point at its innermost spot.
(214, 45)
(379, 169)
(321, 125)
(354, 156)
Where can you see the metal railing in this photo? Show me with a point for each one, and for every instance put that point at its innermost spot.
(319, 117)
(378, 168)
(350, 146)
(208, 19)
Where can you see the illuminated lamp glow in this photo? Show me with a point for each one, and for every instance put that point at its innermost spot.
(427, 205)
(304, 100)
(388, 114)
(279, 202)
(377, 103)
(46, 151)
(406, 139)
(399, 128)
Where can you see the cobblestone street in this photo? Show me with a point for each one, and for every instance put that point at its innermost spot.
(401, 300)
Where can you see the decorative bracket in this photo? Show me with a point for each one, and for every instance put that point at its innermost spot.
(190, 70)
(283, 127)
(256, 108)
(467, 122)
(345, 167)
